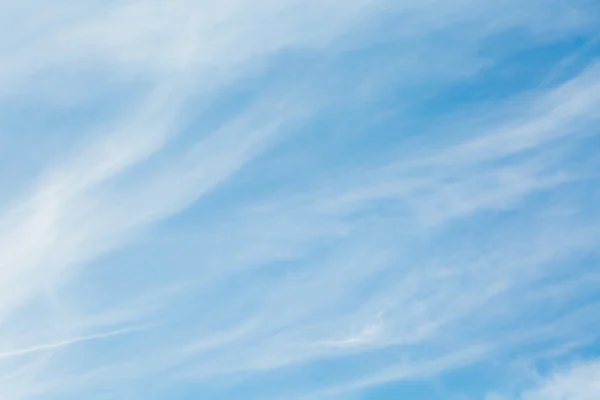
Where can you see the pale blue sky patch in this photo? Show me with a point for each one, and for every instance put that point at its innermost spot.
(299, 199)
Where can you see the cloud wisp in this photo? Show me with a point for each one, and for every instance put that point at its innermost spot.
(290, 199)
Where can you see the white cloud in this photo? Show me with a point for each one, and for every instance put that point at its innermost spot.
(127, 174)
(434, 293)
(580, 382)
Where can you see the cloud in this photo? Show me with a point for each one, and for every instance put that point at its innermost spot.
(174, 201)
(582, 382)
(579, 381)
(64, 343)
(462, 289)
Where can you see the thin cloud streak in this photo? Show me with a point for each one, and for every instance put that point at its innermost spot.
(68, 342)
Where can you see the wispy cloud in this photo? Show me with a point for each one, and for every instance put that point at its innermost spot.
(581, 382)
(577, 382)
(222, 181)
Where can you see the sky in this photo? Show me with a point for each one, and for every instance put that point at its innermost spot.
(300, 199)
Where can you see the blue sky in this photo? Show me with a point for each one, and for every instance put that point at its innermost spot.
(300, 199)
